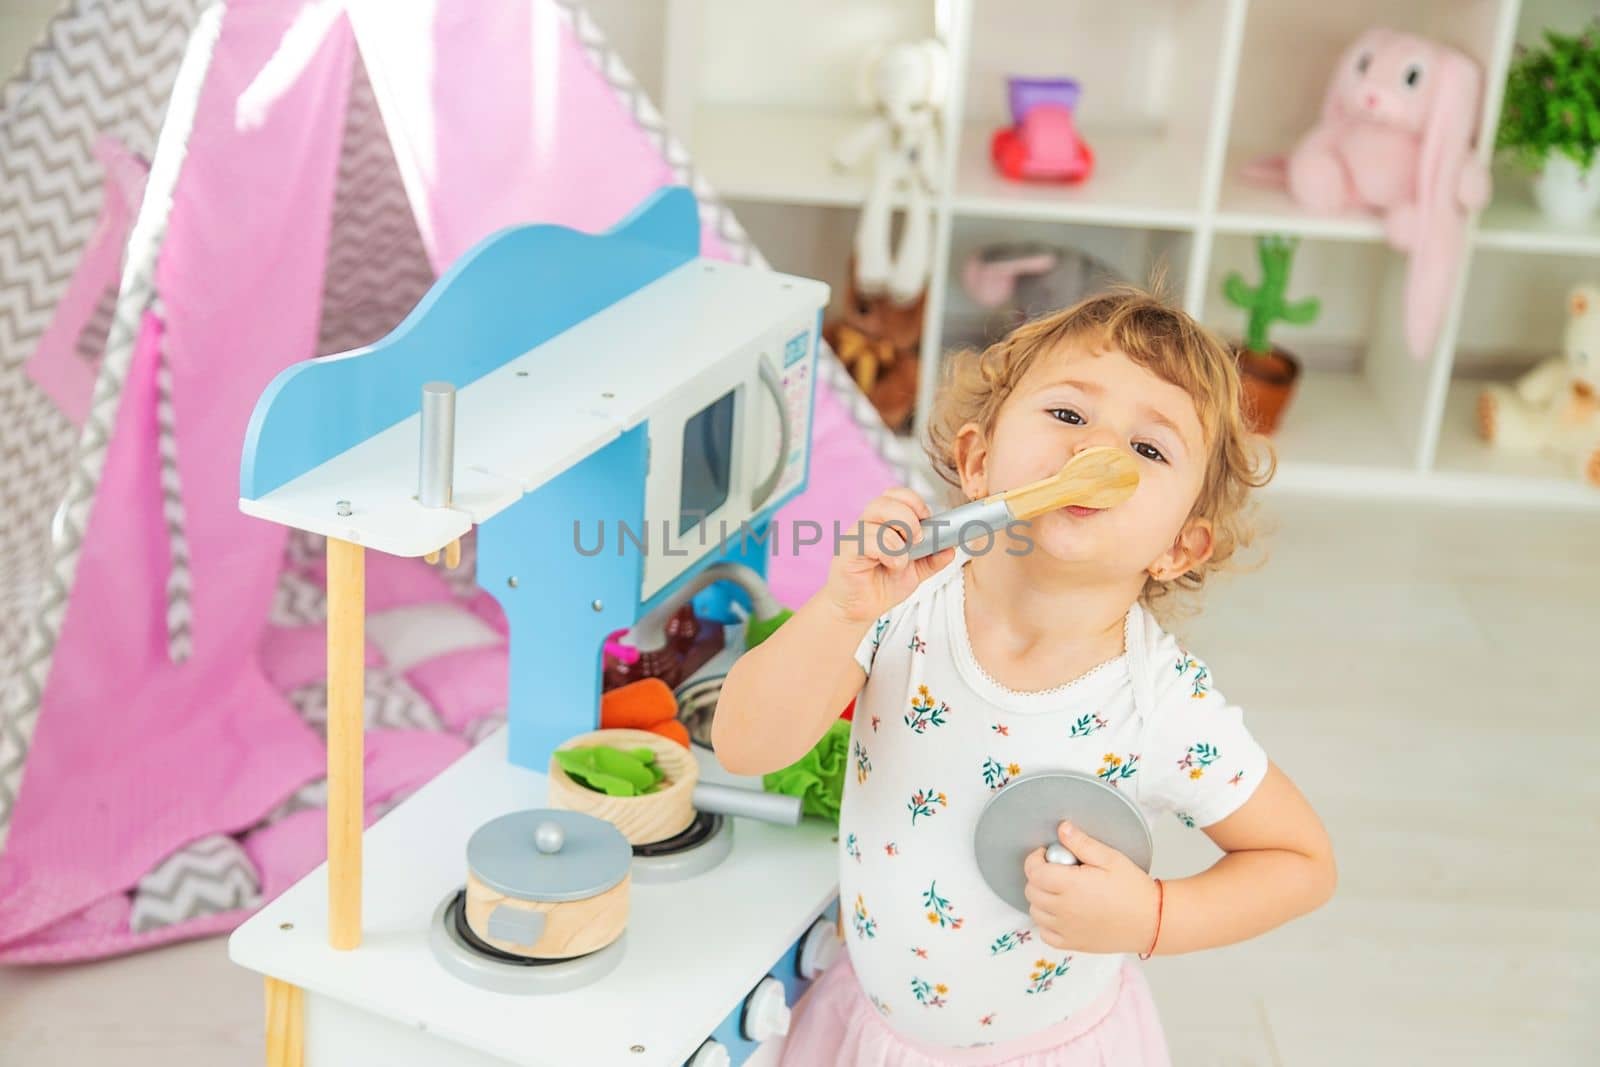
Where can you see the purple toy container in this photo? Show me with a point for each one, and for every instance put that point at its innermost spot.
(1028, 93)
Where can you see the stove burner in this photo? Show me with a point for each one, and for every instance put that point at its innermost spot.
(695, 834)
(697, 703)
(706, 843)
(471, 959)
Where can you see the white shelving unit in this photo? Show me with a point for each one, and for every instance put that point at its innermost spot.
(1177, 95)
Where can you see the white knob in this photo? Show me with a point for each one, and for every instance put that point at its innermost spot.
(1056, 853)
(548, 837)
(711, 1054)
(766, 1011)
(819, 949)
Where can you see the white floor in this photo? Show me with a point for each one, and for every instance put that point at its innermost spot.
(1427, 676)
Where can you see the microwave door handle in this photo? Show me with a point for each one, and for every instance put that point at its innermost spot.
(769, 379)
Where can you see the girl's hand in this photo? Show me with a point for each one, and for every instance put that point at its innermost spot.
(868, 579)
(1103, 903)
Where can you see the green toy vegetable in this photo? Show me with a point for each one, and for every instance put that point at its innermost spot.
(817, 778)
(613, 771)
(758, 630)
(1265, 302)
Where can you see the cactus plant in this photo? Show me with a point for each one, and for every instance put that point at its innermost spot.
(1265, 302)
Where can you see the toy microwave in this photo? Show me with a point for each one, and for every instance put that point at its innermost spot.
(725, 444)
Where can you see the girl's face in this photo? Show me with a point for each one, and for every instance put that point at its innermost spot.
(1074, 399)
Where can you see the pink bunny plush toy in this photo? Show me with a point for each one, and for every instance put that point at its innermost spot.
(1396, 135)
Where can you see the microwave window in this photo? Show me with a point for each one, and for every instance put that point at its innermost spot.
(707, 462)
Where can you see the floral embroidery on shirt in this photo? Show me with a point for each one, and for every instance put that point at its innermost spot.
(1001, 728)
(920, 953)
(1236, 779)
(1201, 683)
(1010, 940)
(852, 847)
(866, 926)
(877, 631)
(1087, 725)
(925, 711)
(875, 722)
(1198, 758)
(917, 643)
(1115, 769)
(995, 775)
(925, 802)
(883, 1009)
(891, 849)
(863, 764)
(929, 996)
(987, 1020)
(940, 912)
(1045, 973)
(1185, 818)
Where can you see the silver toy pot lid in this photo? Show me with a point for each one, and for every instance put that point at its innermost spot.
(547, 854)
(1025, 815)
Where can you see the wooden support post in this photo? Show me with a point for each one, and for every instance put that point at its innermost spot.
(286, 1024)
(346, 715)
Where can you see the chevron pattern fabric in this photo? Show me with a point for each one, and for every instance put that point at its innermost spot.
(377, 267)
(212, 875)
(391, 704)
(104, 66)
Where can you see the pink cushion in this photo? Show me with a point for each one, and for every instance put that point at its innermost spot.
(463, 685)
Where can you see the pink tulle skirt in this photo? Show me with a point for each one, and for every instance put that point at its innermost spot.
(835, 1025)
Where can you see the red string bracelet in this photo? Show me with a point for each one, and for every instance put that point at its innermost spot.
(1161, 906)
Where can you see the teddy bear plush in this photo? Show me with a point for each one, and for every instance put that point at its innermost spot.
(878, 340)
(1555, 408)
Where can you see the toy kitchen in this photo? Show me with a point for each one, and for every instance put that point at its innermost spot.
(561, 895)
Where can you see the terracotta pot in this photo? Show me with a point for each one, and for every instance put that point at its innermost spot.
(1268, 380)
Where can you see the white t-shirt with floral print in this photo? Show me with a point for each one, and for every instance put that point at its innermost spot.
(942, 957)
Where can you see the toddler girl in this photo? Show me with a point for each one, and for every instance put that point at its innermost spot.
(1035, 650)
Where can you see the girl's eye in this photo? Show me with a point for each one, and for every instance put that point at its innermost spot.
(1150, 452)
(1067, 415)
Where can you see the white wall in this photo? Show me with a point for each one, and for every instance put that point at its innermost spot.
(21, 24)
(634, 28)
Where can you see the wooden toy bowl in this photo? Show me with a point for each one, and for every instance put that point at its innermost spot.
(643, 820)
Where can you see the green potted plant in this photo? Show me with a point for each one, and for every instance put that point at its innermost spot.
(1267, 372)
(1550, 122)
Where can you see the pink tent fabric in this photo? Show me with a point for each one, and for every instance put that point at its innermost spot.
(136, 757)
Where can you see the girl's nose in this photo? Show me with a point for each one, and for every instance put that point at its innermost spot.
(1094, 437)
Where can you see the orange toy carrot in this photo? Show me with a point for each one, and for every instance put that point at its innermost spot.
(672, 730)
(638, 705)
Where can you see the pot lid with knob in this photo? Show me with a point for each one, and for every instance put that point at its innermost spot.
(549, 854)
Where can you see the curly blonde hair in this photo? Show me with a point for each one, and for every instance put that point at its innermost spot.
(1160, 338)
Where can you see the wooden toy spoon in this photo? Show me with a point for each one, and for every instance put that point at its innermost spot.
(1099, 477)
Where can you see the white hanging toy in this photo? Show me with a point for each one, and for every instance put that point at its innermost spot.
(904, 84)
(1555, 408)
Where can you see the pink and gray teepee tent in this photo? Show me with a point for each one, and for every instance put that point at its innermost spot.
(195, 195)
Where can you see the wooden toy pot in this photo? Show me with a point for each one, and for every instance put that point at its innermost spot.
(548, 884)
(643, 820)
